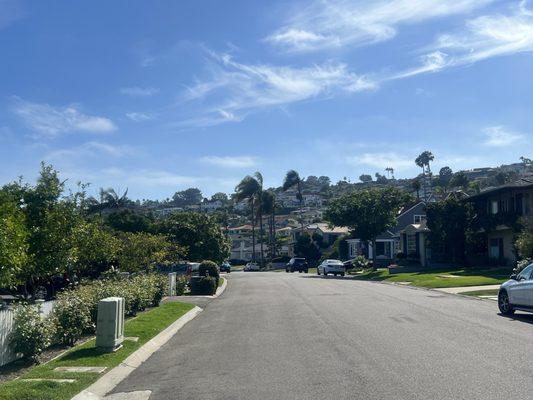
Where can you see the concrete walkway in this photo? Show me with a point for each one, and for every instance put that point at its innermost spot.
(462, 289)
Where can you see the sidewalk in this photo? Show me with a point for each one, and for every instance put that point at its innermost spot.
(462, 289)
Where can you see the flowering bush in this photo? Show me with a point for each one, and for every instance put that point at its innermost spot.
(72, 318)
(32, 333)
(181, 285)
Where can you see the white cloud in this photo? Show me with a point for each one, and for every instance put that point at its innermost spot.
(136, 91)
(236, 89)
(87, 150)
(382, 160)
(139, 116)
(336, 23)
(499, 136)
(53, 121)
(432, 62)
(230, 162)
(489, 36)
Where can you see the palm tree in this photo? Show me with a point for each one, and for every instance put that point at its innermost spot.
(423, 161)
(259, 195)
(293, 179)
(108, 199)
(268, 204)
(247, 190)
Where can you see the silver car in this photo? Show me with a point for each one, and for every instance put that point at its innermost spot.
(517, 293)
(335, 267)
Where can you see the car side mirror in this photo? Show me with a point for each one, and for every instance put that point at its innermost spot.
(514, 277)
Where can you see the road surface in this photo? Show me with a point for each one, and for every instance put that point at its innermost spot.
(292, 336)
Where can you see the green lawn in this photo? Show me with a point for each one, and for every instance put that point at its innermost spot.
(145, 327)
(441, 278)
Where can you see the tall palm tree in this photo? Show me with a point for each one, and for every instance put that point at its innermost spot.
(291, 180)
(423, 161)
(247, 190)
(108, 199)
(268, 204)
(259, 195)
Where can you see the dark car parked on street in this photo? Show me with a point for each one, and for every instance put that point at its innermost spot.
(297, 264)
(225, 267)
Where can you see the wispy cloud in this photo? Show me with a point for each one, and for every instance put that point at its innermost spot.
(136, 91)
(499, 136)
(87, 150)
(236, 89)
(481, 38)
(337, 23)
(382, 160)
(50, 121)
(139, 116)
(230, 161)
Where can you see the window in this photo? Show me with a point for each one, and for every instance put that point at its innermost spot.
(526, 273)
(496, 248)
(494, 207)
(383, 249)
(419, 218)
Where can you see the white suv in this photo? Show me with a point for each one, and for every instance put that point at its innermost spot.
(335, 267)
(517, 293)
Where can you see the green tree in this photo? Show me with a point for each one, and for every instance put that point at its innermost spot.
(187, 197)
(307, 248)
(450, 224)
(524, 241)
(445, 175)
(142, 252)
(223, 197)
(95, 249)
(367, 213)
(365, 178)
(415, 185)
(13, 241)
(292, 179)
(130, 221)
(459, 179)
(199, 234)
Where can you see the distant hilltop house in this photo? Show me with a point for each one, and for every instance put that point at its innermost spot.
(498, 209)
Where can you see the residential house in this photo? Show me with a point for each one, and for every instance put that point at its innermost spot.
(329, 234)
(389, 243)
(497, 209)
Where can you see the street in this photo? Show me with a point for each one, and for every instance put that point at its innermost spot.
(296, 336)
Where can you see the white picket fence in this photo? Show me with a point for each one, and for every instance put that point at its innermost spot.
(6, 327)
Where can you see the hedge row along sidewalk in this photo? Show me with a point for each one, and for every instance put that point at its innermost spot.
(145, 326)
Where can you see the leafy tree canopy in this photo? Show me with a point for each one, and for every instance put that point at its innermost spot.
(187, 197)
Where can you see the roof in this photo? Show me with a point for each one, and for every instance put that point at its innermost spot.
(240, 228)
(414, 228)
(523, 183)
(326, 228)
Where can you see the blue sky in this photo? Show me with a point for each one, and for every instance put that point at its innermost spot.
(160, 96)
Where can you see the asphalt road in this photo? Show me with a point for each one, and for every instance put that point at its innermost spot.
(289, 336)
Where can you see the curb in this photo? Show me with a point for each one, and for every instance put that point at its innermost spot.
(220, 289)
(111, 379)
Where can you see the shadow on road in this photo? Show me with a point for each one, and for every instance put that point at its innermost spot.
(342, 278)
(527, 318)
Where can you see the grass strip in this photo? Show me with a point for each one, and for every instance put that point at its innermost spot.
(441, 278)
(145, 326)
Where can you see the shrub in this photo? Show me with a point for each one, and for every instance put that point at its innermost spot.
(209, 268)
(181, 284)
(520, 265)
(203, 285)
(360, 262)
(32, 333)
(72, 318)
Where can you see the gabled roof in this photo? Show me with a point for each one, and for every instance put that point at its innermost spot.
(523, 183)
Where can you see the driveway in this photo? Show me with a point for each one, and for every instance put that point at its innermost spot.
(291, 336)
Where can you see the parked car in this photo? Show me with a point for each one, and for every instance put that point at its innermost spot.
(297, 264)
(193, 269)
(335, 267)
(225, 267)
(252, 266)
(517, 292)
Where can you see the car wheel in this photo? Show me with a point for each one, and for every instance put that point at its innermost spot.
(503, 303)
(317, 271)
(306, 271)
(325, 273)
(286, 270)
(343, 274)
